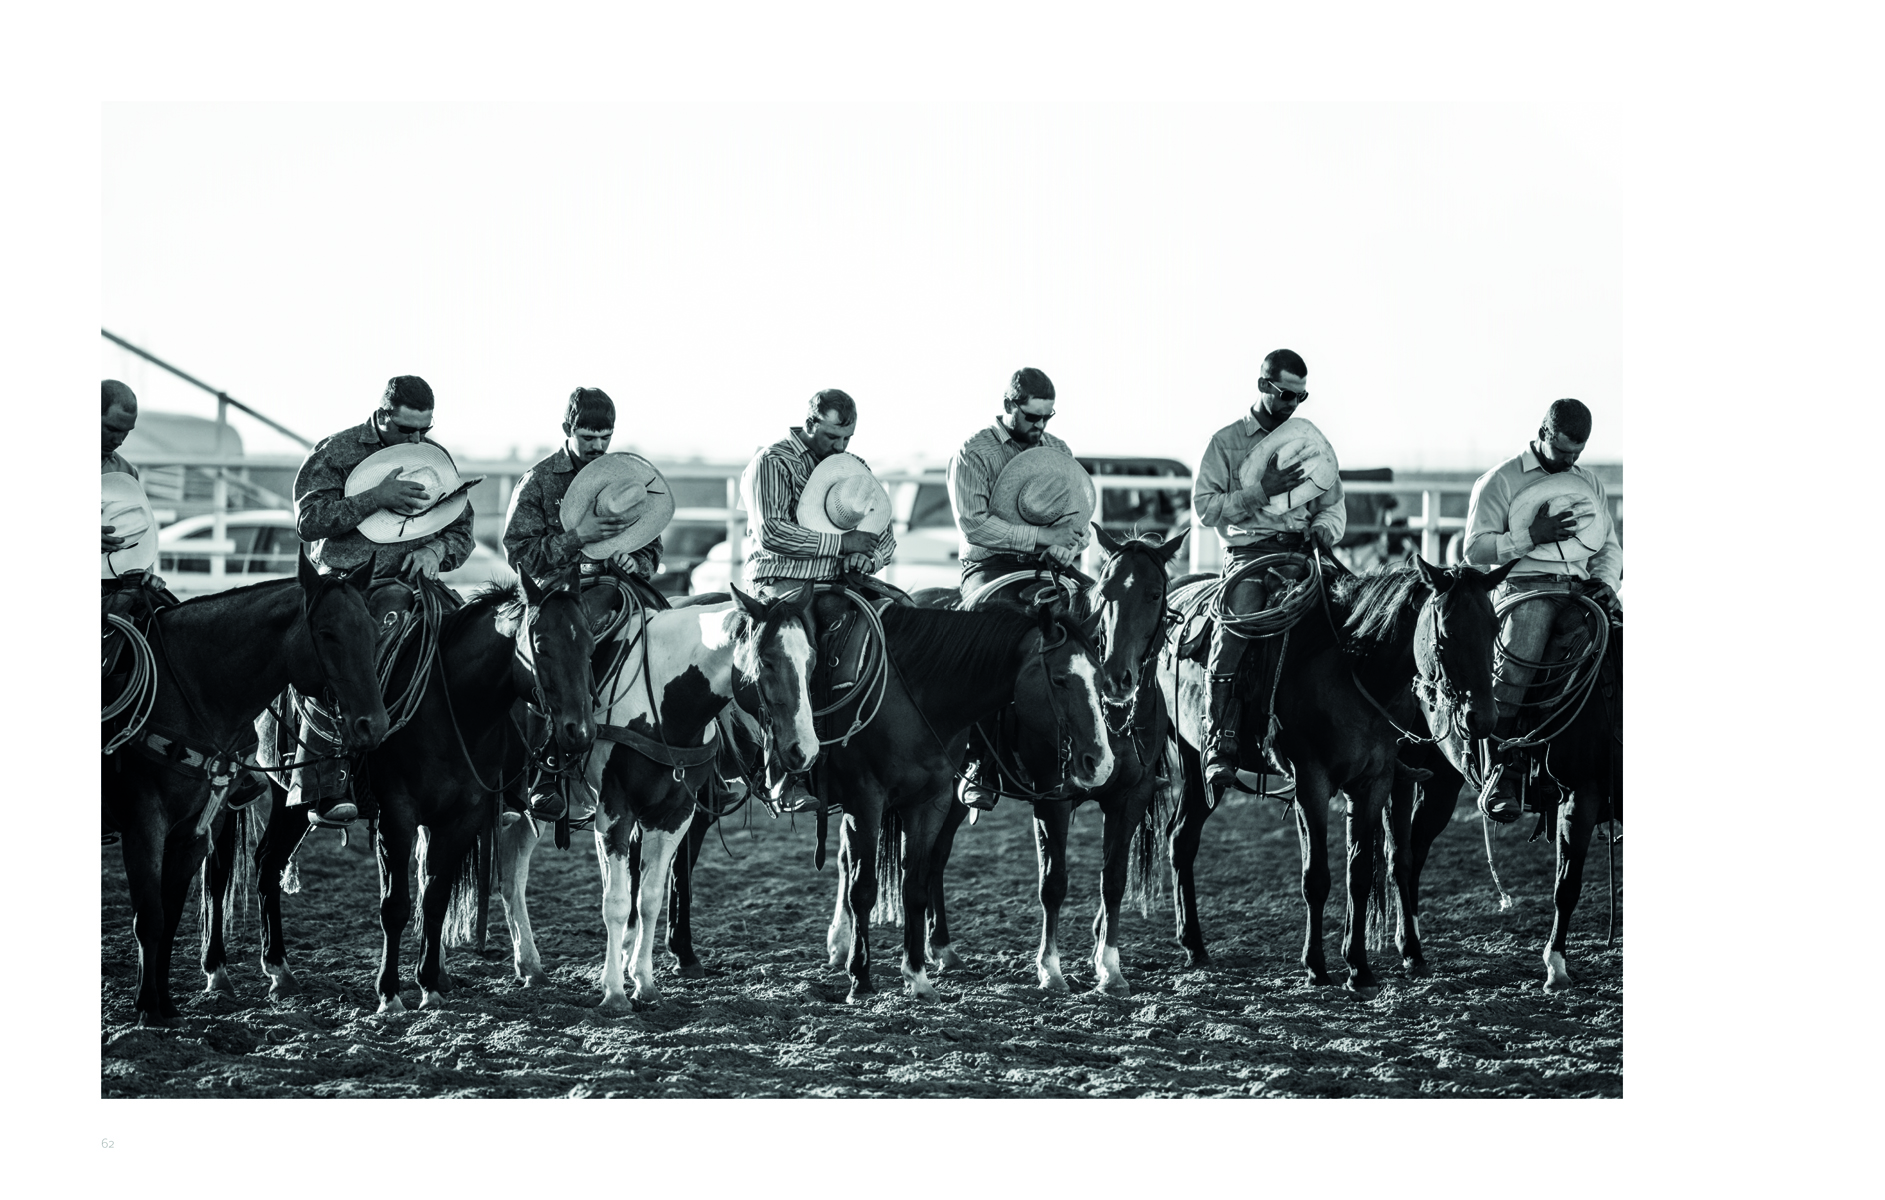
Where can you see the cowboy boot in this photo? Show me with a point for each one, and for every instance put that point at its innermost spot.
(1220, 723)
(546, 801)
(1499, 794)
(974, 792)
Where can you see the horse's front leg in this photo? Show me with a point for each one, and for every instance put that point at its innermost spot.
(516, 842)
(146, 856)
(286, 828)
(842, 931)
(1187, 828)
(657, 850)
(218, 874)
(614, 854)
(941, 952)
(681, 900)
(1577, 817)
(1123, 815)
(393, 851)
(1312, 834)
(861, 896)
(1050, 850)
(1363, 826)
(1400, 850)
(920, 824)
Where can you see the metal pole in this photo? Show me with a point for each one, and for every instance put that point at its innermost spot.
(219, 529)
(1429, 517)
(222, 397)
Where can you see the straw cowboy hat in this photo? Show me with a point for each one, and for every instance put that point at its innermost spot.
(1564, 492)
(126, 508)
(620, 485)
(421, 463)
(1043, 486)
(841, 496)
(1294, 443)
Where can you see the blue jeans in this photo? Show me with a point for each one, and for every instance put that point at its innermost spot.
(1547, 629)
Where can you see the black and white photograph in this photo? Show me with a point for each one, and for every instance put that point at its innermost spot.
(771, 559)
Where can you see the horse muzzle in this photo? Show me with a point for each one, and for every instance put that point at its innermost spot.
(363, 733)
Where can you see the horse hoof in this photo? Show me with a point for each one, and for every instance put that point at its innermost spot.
(1055, 985)
(155, 1020)
(1417, 967)
(218, 981)
(645, 999)
(617, 1005)
(282, 984)
(946, 959)
(1117, 987)
(1195, 959)
(1317, 976)
(446, 982)
(1557, 975)
(691, 970)
(391, 1004)
(534, 979)
(431, 999)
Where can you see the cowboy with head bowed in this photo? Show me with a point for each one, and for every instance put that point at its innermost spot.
(815, 514)
(1023, 504)
(1269, 484)
(128, 525)
(587, 511)
(381, 491)
(1552, 516)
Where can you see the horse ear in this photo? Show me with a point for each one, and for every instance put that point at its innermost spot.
(1112, 544)
(1496, 576)
(754, 608)
(1169, 550)
(533, 595)
(1428, 573)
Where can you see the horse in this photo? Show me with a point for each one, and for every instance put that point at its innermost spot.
(895, 778)
(1344, 704)
(219, 660)
(1584, 758)
(655, 747)
(442, 771)
(1129, 597)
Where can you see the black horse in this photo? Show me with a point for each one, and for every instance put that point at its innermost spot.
(1582, 786)
(1345, 704)
(1129, 599)
(443, 771)
(219, 660)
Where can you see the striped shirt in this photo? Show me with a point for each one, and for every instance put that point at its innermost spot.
(972, 473)
(777, 546)
(1488, 544)
(1236, 512)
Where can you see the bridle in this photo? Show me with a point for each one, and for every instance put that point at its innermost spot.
(1148, 659)
(1437, 693)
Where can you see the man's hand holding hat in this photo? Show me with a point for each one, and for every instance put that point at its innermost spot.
(402, 496)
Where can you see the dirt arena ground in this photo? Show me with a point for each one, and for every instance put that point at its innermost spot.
(772, 1020)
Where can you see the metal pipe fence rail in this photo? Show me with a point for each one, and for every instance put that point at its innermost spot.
(1205, 555)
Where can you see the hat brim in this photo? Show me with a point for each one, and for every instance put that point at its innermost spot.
(1294, 441)
(1560, 492)
(610, 469)
(1005, 496)
(388, 528)
(125, 506)
(827, 475)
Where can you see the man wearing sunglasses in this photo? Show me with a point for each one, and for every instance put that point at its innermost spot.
(328, 519)
(1249, 530)
(993, 546)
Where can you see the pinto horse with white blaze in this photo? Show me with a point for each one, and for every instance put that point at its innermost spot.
(219, 660)
(1345, 705)
(656, 747)
(1129, 600)
(443, 772)
(895, 780)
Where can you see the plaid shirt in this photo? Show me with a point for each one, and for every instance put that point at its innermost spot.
(328, 518)
(1236, 512)
(1488, 544)
(972, 473)
(777, 546)
(535, 541)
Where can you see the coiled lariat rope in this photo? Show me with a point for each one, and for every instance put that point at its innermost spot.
(873, 673)
(1280, 616)
(1571, 680)
(139, 694)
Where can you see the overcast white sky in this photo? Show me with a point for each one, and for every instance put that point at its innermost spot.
(1446, 270)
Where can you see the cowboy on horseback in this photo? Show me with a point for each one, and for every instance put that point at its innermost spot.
(587, 509)
(413, 521)
(128, 540)
(1552, 517)
(786, 556)
(1269, 484)
(1037, 524)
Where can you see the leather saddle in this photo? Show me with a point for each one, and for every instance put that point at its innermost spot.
(845, 645)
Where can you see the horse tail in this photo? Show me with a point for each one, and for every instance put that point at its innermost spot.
(1378, 894)
(889, 906)
(460, 927)
(1145, 863)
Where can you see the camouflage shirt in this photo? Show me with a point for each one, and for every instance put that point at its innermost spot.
(328, 519)
(535, 541)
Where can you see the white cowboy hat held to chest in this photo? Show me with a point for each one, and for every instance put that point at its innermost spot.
(621, 485)
(1564, 492)
(446, 493)
(1044, 487)
(1294, 443)
(124, 506)
(842, 496)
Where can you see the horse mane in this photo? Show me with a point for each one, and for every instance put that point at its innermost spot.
(938, 643)
(228, 593)
(1379, 605)
(507, 599)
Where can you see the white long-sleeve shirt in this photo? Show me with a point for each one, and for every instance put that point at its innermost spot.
(1488, 544)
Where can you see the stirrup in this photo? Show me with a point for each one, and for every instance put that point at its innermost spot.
(1503, 809)
(338, 816)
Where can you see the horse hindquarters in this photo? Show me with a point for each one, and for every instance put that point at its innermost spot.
(681, 899)
(448, 894)
(1187, 828)
(1364, 823)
